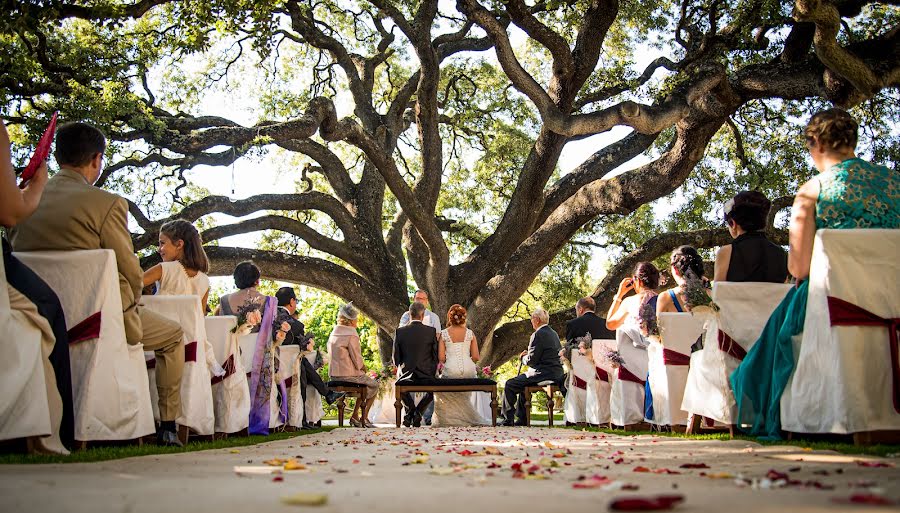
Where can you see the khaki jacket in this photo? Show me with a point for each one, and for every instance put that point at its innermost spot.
(345, 353)
(74, 215)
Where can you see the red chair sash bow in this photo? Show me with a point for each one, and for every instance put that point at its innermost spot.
(627, 375)
(729, 346)
(190, 352)
(671, 357)
(229, 370)
(151, 364)
(85, 330)
(289, 382)
(843, 313)
(578, 382)
(602, 375)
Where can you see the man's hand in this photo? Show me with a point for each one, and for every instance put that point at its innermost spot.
(523, 353)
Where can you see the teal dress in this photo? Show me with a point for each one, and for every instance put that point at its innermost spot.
(852, 194)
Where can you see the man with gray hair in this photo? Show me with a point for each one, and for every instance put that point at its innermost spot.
(542, 358)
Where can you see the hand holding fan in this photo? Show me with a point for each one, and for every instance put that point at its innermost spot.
(40, 153)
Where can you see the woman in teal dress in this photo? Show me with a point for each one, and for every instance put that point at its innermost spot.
(848, 193)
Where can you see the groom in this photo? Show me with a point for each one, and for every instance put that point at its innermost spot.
(415, 355)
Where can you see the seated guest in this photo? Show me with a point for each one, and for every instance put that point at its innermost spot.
(246, 279)
(287, 306)
(75, 215)
(430, 319)
(416, 357)
(635, 312)
(542, 358)
(752, 256)
(848, 193)
(30, 291)
(691, 288)
(184, 263)
(346, 362)
(183, 272)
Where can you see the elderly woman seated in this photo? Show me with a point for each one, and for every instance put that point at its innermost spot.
(346, 362)
(752, 256)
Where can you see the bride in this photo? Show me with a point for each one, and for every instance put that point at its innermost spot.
(458, 352)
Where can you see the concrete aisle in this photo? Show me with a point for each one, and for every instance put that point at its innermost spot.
(465, 470)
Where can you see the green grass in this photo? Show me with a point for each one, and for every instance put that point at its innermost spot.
(128, 451)
(844, 448)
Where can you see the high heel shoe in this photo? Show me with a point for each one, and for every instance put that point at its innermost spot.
(355, 423)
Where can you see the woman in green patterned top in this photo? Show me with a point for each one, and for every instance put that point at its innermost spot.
(848, 193)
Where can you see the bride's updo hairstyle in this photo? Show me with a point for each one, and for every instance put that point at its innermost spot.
(834, 129)
(456, 316)
(687, 261)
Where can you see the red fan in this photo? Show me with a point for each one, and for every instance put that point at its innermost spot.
(40, 153)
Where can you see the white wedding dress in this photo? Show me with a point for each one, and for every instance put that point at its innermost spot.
(457, 408)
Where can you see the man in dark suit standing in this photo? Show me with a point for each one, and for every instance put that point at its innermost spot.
(415, 355)
(542, 356)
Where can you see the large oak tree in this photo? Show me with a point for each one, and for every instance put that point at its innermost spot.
(429, 134)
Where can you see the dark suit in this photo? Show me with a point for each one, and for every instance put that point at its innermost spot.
(543, 358)
(415, 355)
(297, 336)
(588, 323)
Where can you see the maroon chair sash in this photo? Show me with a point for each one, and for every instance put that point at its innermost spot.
(602, 375)
(151, 364)
(578, 382)
(229, 370)
(843, 313)
(671, 357)
(190, 352)
(729, 346)
(626, 375)
(85, 330)
(289, 382)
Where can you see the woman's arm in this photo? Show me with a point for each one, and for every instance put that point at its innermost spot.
(723, 259)
(473, 350)
(204, 303)
(153, 274)
(17, 204)
(617, 314)
(803, 230)
(442, 350)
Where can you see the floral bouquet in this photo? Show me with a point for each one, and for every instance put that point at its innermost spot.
(614, 358)
(484, 372)
(385, 378)
(695, 291)
(581, 344)
(248, 316)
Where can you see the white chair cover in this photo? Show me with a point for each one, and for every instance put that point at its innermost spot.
(668, 374)
(597, 402)
(626, 398)
(109, 377)
(842, 380)
(314, 409)
(23, 403)
(744, 309)
(247, 345)
(196, 389)
(580, 380)
(231, 394)
(289, 371)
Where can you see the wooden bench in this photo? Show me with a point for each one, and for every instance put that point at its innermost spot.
(349, 388)
(445, 385)
(550, 390)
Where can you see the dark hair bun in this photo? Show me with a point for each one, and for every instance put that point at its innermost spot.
(648, 275)
(749, 210)
(685, 259)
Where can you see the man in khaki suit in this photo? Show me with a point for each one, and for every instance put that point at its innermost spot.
(75, 215)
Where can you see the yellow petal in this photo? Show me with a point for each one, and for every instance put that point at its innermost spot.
(305, 499)
(294, 465)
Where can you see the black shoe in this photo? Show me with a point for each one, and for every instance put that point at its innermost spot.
(168, 438)
(407, 420)
(427, 422)
(417, 420)
(333, 396)
(318, 424)
(307, 426)
(520, 423)
(506, 423)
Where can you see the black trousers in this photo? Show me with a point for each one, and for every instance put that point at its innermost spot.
(309, 376)
(26, 281)
(409, 402)
(514, 397)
